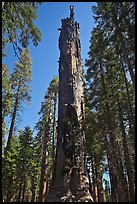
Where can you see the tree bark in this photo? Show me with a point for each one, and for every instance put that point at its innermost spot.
(100, 188)
(129, 66)
(71, 179)
(100, 192)
(113, 178)
(90, 184)
(114, 184)
(44, 166)
(20, 191)
(24, 189)
(43, 179)
(13, 117)
(54, 135)
(127, 157)
(130, 109)
(112, 141)
(123, 175)
(94, 177)
(33, 189)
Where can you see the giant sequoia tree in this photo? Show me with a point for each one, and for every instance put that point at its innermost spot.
(110, 95)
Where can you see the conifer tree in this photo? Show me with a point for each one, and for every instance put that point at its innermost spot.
(47, 130)
(20, 80)
(110, 92)
(25, 163)
(10, 182)
(7, 101)
(17, 28)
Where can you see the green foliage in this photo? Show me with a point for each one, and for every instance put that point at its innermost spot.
(20, 84)
(110, 78)
(7, 100)
(19, 80)
(46, 127)
(6, 91)
(18, 24)
(117, 22)
(18, 28)
(21, 77)
(9, 171)
(21, 162)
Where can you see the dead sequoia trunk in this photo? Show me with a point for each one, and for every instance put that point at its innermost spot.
(71, 182)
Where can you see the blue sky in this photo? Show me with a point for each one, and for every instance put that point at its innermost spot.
(45, 56)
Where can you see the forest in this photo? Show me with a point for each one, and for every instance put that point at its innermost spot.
(28, 160)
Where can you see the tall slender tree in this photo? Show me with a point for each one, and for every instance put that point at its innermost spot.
(47, 128)
(25, 162)
(20, 80)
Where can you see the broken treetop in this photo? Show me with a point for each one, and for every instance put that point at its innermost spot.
(69, 24)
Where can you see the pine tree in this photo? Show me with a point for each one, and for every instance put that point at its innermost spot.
(25, 162)
(47, 129)
(17, 28)
(10, 183)
(20, 80)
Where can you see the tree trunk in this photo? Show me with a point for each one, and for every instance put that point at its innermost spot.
(114, 184)
(113, 178)
(13, 117)
(90, 184)
(94, 178)
(43, 179)
(24, 189)
(100, 192)
(54, 135)
(127, 157)
(112, 141)
(116, 165)
(20, 191)
(132, 75)
(122, 171)
(33, 189)
(100, 188)
(10, 191)
(130, 109)
(71, 179)
(44, 166)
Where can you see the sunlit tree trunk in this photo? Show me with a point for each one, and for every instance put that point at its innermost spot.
(44, 165)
